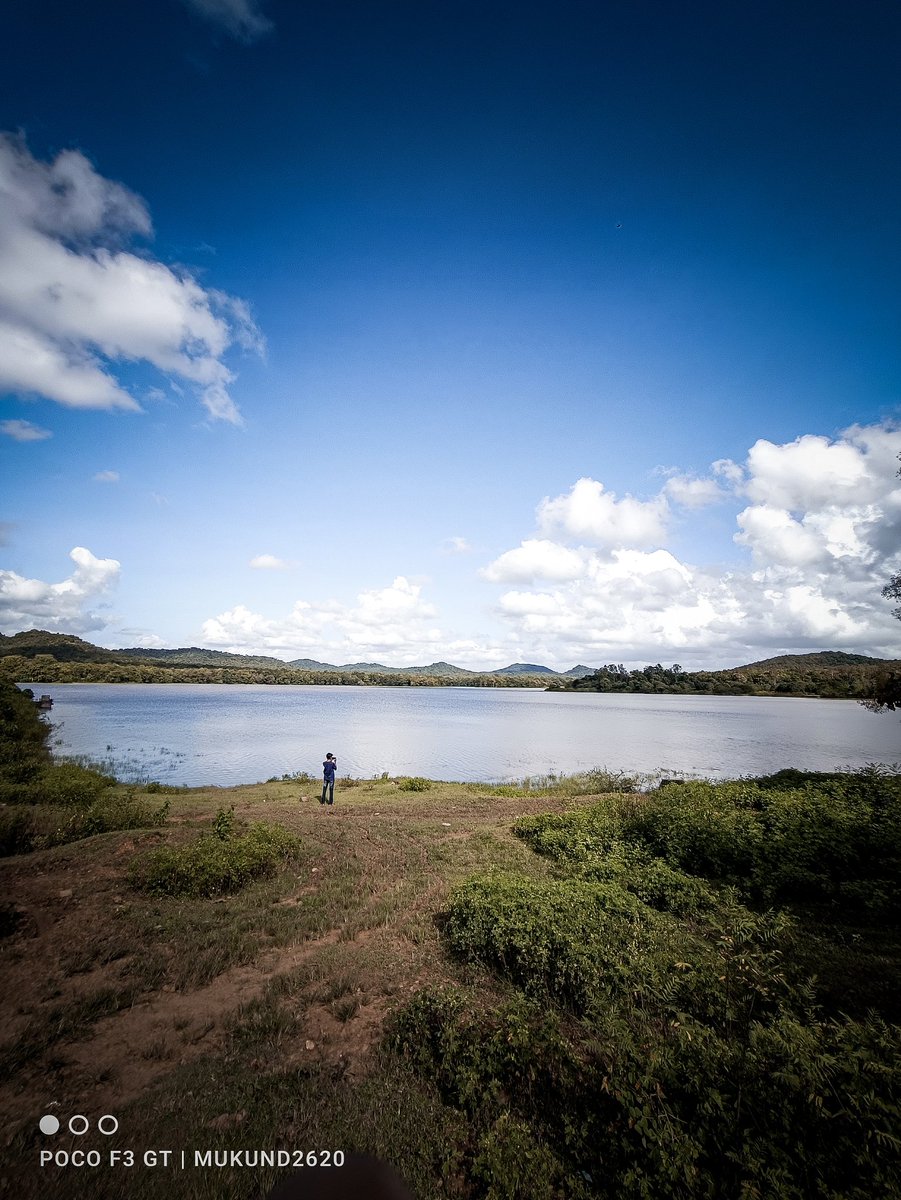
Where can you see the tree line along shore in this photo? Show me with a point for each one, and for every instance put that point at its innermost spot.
(41, 657)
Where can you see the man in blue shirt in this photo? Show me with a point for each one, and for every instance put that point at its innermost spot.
(328, 778)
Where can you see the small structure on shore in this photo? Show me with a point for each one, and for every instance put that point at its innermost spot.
(45, 703)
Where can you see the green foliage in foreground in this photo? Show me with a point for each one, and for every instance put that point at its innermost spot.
(24, 828)
(620, 1105)
(834, 839)
(414, 783)
(45, 803)
(655, 1039)
(216, 863)
(23, 740)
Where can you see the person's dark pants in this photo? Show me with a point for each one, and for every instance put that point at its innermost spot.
(328, 785)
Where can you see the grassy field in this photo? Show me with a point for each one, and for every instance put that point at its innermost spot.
(281, 1015)
(252, 1019)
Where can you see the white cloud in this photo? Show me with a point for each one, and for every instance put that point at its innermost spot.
(730, 471)
(590, 514)
(268, 562)
(774, 536)
(456, 545)
(691, 492)
(106, 477)
(24, 431)
(73, 301)
(243, 19)
(823, 534)
(394, 621)
(811, 472)
(62, 607)
(535, 559)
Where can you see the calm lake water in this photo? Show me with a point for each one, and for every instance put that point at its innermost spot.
(225, 734)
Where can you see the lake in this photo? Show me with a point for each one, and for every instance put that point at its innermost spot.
(226, 734)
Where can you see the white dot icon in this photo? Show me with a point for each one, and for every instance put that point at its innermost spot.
(84, 1126)
(113, 1124)
(48, 1124)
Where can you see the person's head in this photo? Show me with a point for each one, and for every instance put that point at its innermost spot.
(329, 755)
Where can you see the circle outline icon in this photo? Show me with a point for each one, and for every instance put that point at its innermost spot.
(107, 1117)
(79, 1132)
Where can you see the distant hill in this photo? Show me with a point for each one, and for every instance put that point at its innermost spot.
(524, 669)
(68, 648)
(64, 647)
(817, 660)
(824, 672)
(195, 656)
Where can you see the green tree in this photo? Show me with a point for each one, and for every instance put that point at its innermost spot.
(23, 737)
(887, 692)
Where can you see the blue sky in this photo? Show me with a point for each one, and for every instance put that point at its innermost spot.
(559, 333)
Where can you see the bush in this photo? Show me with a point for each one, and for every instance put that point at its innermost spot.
(213, 865)
(657, 1041)
(24, 828)
(109, 813)
(641, 1109)
(836, 838)
(23, 738)
(71, 784)
(17, 830)
(414, 783)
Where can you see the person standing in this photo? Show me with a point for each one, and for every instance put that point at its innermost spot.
(329, 767)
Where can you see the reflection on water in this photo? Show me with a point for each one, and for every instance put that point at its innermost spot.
(226, 734)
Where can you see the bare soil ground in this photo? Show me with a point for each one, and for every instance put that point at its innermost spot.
(118, 1002)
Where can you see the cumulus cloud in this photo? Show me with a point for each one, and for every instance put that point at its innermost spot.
(692, 492)
(24, 431)
(812, 472)
(269, 562)
(588, 513)
(535, 559)
(106, 477)
(64, 607)
(823, 533)
(74, 301)
(243, 19)
(394, 621)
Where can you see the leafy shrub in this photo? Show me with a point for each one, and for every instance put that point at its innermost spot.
(213, 865)
(24, 828)
(17, 830)
(109, 813)
(646, 1108)
(511, 1165)
(224, 823)
(414, 783)
(587, 945)
(657, 1041)
(837, 838)
(23, 738)
(71, 784)
(302, 777)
